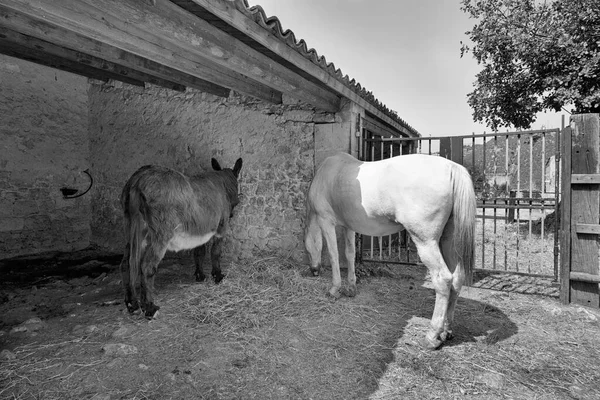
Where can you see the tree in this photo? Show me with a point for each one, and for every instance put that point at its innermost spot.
(536, 56)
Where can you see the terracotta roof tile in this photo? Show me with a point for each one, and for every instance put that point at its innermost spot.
(274, 26)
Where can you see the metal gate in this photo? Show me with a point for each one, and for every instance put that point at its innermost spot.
(516, 178)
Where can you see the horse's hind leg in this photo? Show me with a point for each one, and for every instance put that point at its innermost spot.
(199, 253)
(328, 230)
(152, 256)
(313, 241)
(458, 277)
(130, 293)
(430, 254)
(350, 246)
(215, 257)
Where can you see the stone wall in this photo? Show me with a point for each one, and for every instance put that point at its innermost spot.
(131, 127)
(43, 147)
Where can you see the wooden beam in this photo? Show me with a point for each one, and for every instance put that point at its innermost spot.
(378, 128)
(585, 207)
(38, 28)
(41, 52)
(228, 52)
(583, 179)
(50, 20)
(171, 36)
(226, 11)
(591, 229)
(583, 277)
(565, 217)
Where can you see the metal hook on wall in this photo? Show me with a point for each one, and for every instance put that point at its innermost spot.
(69, 193)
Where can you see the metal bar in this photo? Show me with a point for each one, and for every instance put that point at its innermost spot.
(517, 237)
(543, 189)
(395, 262)
(372, 159)
(529, 236)
(516, 207)
(390, 236)
(473, 155)
(557, 146)
(518, 165)
(484, 166)
(499, 271)
(380, 238)
(543, 239)
(495, 235)
(483, 237)
(516, 133)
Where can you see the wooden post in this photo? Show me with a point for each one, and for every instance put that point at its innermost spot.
(565, 217)
(585, 209)
(452, 149)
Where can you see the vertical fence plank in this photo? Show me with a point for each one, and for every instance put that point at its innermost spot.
(585, 207)
(565, 240)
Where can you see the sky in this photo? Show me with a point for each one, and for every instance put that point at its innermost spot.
(407, 52)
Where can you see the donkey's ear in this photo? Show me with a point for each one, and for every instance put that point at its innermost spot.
(215, 164)
(237, 167)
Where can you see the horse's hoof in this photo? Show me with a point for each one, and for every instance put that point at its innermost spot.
(315, 271)
(335, 293)
(350, 291)
(430, 344)
(446, 335)
(200, 278)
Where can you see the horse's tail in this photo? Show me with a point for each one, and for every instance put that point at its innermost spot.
(135, 206)
(464, 213)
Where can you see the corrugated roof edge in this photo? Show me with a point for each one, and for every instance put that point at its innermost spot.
(257, 13)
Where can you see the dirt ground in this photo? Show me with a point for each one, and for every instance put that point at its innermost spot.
(268, 331)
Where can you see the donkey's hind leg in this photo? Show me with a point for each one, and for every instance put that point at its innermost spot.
(313, 241)
(131, 300)
(153, 254)
(199, 253)
(215, 258)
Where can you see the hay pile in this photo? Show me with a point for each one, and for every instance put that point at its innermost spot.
(258, 294)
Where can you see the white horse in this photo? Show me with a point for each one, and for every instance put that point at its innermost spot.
(429, 196)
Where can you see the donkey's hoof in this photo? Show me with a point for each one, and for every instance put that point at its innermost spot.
(200, 278)
(315, 271)
(151, 311)
(218, 277)
(132, 306)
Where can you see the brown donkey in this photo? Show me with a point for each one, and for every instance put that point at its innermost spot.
(166, 210)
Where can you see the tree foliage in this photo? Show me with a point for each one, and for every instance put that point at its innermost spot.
(536, 56)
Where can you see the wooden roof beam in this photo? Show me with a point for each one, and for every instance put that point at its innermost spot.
(172, 37)
(41, 52)
(85, 28)
(37, 26)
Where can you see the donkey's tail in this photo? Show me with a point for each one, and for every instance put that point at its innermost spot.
(136, 226)
(464, 213)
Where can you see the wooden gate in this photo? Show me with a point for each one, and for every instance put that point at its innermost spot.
(580, 240)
